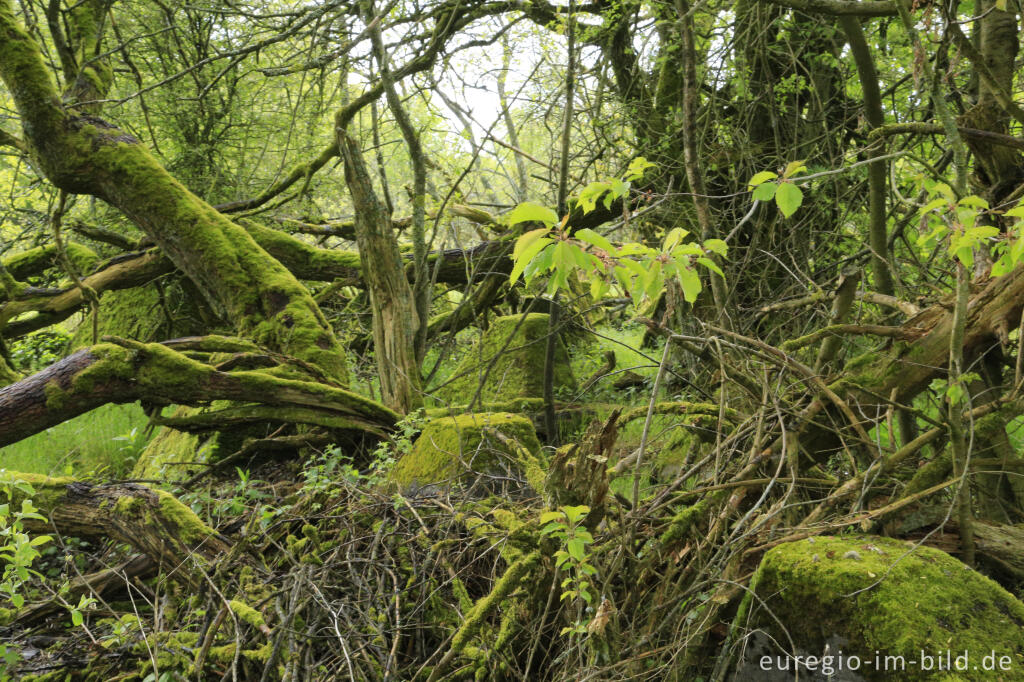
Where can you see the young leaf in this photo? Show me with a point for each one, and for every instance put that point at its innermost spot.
(717, 246)
(526, 240)
(690, 283)
(591, 193)
(765, 192)
(792, 168)
(529, 212)
(588, 236)
(674, 238)
(636, 168)
(710, 265)
(527, 257)
(763, 176)
(788, 198)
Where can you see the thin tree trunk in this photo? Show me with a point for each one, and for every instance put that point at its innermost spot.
(394, 312)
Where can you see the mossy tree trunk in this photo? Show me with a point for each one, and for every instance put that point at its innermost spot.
(85, 155)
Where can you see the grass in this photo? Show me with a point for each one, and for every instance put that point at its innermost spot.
(98, 443)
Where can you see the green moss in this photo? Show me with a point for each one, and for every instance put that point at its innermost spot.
(53, 676)
(518, 405)
(36, 261)
(453, 449)
(931, 474)
(47, 491)
(503, 588)
(191, 529)
(259, 295)
(883, 598)
(55, 395)
(169, 446)
(508, 359)
(127, 505)
(247, 613)
(113, 362)
(688, 521)
(135, 313)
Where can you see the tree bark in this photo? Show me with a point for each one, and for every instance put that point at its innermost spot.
(394, 311)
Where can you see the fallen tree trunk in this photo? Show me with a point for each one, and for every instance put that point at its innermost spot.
(128, 371)
(153, 522)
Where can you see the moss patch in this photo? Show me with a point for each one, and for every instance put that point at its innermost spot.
(509, 360)
(880, 599)
(454, 450)
(139, 314)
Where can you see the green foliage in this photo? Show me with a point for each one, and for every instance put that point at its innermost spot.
(955, 221)
(17, 550)
(788, 196)
(39, 349)
(566, 526)
(634, 269)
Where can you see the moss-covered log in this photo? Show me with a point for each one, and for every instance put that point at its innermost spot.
(153, 522)
(36, 261)
(111, 373)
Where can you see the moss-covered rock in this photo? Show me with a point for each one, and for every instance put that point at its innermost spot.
(457, 450)
(509, 361)
(874, 598)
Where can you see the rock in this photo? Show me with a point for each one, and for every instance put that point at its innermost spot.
(893, 610)
(458, 450)
(509, 360)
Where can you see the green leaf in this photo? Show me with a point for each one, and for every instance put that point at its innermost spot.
(527, 239)
(966, 256)
(540, 263)
(575, 513)
(588, 236)
(765, 192)
(689, 280)
(763, 176)
(788, 197)
(674, 238)
(529, 212)
(588, 197)
(932, 205)
(562, 259)
(527, 257)
(1015, 212)
(636, 168)
(974, 201)
(577, 550)
(619, 190)
(710, 265)
(76, 617)
(792, 168)
(717, 246)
